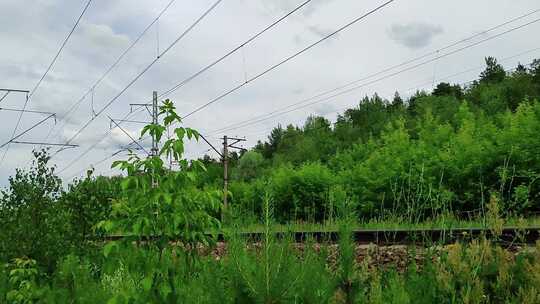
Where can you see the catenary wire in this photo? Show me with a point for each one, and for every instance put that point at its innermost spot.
(234, 50)
(32, 92)
(278, 112)
(110, 102)
(379, 72)
(91, 89)
(275, 66)
(273, 24)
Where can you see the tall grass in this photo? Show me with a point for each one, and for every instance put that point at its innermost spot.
(275, 269)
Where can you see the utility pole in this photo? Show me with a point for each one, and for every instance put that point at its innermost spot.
(225, 159)
(225, 171)
(154, 113)
(155, 150)
(155, 122)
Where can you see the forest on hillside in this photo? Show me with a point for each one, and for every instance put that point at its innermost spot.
(448, 150)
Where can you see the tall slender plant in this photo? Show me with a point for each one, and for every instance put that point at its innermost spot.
(159, 206)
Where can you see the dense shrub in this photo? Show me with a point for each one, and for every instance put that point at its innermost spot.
(88, 201)
(33, 224)
(301, 193)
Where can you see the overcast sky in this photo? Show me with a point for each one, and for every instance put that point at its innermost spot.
(32, 31)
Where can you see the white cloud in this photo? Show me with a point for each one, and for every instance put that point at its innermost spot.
(414, 35)
(101, 36)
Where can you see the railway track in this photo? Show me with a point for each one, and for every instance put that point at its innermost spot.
(509, 235)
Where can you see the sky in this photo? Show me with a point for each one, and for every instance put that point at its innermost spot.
(31, 33)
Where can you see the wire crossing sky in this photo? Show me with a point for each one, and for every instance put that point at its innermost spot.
(49, 67)
(105, 64)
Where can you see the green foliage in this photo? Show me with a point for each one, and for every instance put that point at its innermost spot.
(23, 274)
(87, 202)
(494, 72)
(249, 165)
(433, 154)
(75, 282)
(159, 203)
(274, 270)
(268, 276)
(33, 225)
(301, 193)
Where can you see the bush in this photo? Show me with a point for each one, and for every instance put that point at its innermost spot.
(301, 193)
(87, 202)
(247, 199)
(33, 223)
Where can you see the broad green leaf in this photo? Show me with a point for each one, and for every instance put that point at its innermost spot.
(147, 282)
(107, 249)
(180, 132)
(165, 289)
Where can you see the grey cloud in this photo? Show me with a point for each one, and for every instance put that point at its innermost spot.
(281, 6)
(98, 43)
(414, 35)
(325, 109)
(101, 35)
(319, 31)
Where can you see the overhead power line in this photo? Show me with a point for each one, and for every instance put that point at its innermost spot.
(206, 68)
(129, 85)
(417, 87)
(92, 88)
(99, 162)
(275, 66)
(390, 68)
(304, 131)
(33, 91)
(287, 59)
(209, 66)
(61, 48)
(27, 130)
(43, 144)
(133, 140)
(26, 111)
(7, 91)
(4, 96)
(110, 102)
(95, 144)
(302, 104)
(162, 95)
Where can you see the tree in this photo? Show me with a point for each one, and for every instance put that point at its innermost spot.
(314, 123)
(521, 68)
(161, 203)
(249, 165)
(493, 73)
(397, 101)
(32, 223)
(445, 89)
(535, 71)
(397, 105)
(88, 201)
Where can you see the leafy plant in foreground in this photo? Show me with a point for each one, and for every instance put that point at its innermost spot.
(159, 206)
(23, 275)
